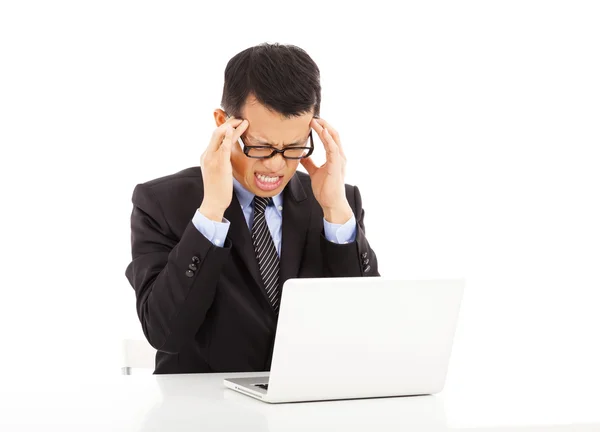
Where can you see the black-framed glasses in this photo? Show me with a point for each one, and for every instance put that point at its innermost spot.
(267, 152)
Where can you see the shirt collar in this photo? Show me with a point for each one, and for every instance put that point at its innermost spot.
(245, 197)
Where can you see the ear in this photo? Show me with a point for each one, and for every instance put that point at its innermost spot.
(220, 117)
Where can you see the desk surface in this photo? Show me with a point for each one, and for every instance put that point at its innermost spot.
(202, 403)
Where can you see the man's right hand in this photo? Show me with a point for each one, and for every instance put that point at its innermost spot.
(217, 172)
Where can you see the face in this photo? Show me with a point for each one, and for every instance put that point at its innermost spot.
(266, 177)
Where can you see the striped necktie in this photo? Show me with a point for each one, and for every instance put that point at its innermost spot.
(266, 254)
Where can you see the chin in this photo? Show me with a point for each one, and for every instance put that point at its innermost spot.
(266, 194)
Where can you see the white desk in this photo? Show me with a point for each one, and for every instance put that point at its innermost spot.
(201, 403)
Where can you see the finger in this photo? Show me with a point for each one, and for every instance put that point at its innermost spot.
(310, 166)
(231, 120)
(219, 134)
(334, 134)
(227, 140)
(330, 145)
(327, 140)
(321, 132)
(232, 135)
(314, 123)
(333, 155)
(330, 128)
(240, 130)
(336, 137)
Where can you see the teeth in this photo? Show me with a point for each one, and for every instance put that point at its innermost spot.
(267, 179)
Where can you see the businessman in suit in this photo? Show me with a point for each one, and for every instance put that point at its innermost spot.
(212, 245)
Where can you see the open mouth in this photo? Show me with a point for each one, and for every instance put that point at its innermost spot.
(267, 182)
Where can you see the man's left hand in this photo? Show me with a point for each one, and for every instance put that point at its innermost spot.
(328, 180)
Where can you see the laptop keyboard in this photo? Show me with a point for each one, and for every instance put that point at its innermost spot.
(262, 386)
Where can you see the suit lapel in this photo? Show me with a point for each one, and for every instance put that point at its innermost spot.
(296, 218)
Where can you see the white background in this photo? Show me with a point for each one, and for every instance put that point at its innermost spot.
(471, 128)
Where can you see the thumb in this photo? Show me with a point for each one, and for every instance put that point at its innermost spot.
(310, 166)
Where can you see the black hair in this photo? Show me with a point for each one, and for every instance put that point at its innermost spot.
(282, 77)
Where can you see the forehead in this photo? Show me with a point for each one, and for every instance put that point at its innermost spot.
(269, 126)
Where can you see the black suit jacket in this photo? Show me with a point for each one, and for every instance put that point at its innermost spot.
(203, 307)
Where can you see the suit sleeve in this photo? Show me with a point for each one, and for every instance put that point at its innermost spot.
(174, 280)
(354, 259)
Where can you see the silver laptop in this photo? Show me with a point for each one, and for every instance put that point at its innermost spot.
(349, 338)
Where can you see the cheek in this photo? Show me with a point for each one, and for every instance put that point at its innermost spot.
(292, 165)
(242, 165)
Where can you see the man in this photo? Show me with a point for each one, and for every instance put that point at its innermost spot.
(212, 245)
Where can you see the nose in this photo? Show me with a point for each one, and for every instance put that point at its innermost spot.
(276, 163)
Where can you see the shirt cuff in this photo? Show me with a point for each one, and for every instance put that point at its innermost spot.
(340, 234)
(215, 232)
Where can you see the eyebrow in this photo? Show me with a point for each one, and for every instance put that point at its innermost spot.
(265, 143)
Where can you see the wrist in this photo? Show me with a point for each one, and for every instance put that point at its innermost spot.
(211, 212)
(338, 215)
